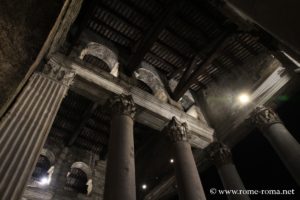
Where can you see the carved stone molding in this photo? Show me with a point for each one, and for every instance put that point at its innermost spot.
(219, 153)
(123, 104)
(176, 130)
(59, 73)
(263, 117)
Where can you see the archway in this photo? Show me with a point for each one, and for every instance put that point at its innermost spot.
(44, 168)
(147, 74)
(79, 178)
(103, 53)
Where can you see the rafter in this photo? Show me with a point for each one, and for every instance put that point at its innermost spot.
(118, 16)
(86, 116)
(190, 76)
(143, 46)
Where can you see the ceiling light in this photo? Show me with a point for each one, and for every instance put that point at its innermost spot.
(44, 181)
(244, 98)
(144, 186)
(171, 160)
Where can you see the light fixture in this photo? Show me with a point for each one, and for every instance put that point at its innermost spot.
(44, 181)
(144, 186)
(171, 160)
(244, 98)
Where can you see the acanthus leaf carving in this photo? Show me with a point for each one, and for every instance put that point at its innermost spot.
(123, 104)
(219, 154)
(263, 117)
(176, 130)
(59, 73)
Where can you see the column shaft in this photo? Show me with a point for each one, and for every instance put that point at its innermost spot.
(286, 146)
(24, 130)
(232, 181)
(188, 180)
(221, 156)
(120, 171)
(187, 176)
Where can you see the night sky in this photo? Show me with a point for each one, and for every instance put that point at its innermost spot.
(256, 161)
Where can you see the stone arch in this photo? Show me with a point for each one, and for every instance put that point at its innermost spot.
(44, 168)
(148, 74)
(79, 178)
(103, 53)
(187, 100)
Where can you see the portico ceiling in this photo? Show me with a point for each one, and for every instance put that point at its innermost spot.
(189, 41)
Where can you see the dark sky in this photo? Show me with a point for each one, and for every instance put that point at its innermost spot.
(256, 161)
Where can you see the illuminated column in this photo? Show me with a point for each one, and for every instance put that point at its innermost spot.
(280, 138)
(221, 156)
(187, 177)
(120, 170)
(25, 127)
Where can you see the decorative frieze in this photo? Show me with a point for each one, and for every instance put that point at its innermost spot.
(177, 131)
(122, 104)
(219, 153)
(263, 117)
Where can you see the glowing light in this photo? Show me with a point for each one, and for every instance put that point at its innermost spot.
(44, 181)
(171, 160)
(144, 186)
(244, 98)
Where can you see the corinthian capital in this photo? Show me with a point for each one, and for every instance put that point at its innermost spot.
(176, 130)
(59, 73)
(123, 104)
(263, 117)
(219, 153)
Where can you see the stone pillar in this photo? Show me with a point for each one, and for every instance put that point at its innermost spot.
(120, 171)
(280, 138)
(25, 127)
(187, 177)
(221, 156)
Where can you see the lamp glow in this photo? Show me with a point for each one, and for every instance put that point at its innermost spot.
(244, 98)
(44, 181)
(171, 160)
(144, 186)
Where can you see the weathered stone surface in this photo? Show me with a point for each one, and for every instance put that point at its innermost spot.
(219, 153)
(65, 158)
(176, 130)
(122, 104)
(24, 26)
(264, 117)
(261, 78)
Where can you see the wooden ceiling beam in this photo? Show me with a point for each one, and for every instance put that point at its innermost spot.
(110, 28)
(190, 78)
(144, 45)
(137, 9)
(85, 117)
(162, 61)
(248, 47)
(119, 17)
(181, 39)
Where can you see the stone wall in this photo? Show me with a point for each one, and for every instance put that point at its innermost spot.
(65, 157)
(24, 26)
